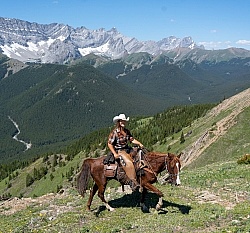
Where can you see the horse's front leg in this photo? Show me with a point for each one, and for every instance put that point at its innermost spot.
(159, 204)
(153, 189)
(144, 208)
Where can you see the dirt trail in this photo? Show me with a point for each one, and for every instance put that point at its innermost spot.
(15, 204)
(236, 105)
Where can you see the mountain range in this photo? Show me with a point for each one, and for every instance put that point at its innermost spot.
(60, 86)
(58, 83)
(59, 43)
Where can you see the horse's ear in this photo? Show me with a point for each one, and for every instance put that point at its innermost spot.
(170, 156)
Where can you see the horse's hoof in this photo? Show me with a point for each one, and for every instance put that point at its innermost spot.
(158, 207)
(109, 207)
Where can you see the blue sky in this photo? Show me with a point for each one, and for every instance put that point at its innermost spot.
(217, 24)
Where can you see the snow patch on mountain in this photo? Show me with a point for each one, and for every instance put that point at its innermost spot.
(59, 43)
(98, 50)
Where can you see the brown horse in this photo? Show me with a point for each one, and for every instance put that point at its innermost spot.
(156, 163)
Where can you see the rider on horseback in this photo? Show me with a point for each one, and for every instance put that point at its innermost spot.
(118, 144)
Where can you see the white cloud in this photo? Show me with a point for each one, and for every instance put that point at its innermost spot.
(213, 31)
(216, 44)
(211, 45)
(243, 42)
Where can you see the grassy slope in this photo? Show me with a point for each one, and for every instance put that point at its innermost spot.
(226, 124)
(234, 144)
(214, 195)
(231, 146)
(210, 199)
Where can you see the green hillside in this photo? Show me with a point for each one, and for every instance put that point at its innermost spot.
(9, 66)
(55, 105)
(161, 132)
(3, 65)
(231, 146)
(164, 81)
(214, 191)
(182, 82)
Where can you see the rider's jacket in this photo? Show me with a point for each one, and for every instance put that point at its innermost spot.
(119, 139)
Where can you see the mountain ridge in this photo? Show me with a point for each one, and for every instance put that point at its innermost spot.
(50, 43)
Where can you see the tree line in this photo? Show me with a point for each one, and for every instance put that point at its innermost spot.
(148, 130)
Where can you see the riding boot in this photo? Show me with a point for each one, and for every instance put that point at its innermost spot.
(130, 171)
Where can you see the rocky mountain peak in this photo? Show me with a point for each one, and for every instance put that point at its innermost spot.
(59, 43)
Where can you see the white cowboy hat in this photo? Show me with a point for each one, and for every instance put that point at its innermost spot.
(120, 117)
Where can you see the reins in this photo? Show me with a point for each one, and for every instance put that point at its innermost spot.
(167, 169)
(150, 167)
(145, 151)
(171, 175)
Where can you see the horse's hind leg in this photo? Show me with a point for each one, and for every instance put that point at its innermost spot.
(101, 191)
(92, 194)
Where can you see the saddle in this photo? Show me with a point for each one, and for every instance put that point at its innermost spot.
(113, 168)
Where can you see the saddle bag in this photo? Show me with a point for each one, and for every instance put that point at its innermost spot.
(110, 170)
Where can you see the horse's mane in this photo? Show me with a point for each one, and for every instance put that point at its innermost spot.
(155, 154)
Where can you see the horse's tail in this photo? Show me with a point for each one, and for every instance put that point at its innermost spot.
(83, 177)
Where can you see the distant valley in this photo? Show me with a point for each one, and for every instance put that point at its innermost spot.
(56, 103)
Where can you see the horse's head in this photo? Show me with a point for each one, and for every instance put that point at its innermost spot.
(173, 166)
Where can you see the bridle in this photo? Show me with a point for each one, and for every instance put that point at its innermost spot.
(171, 175)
